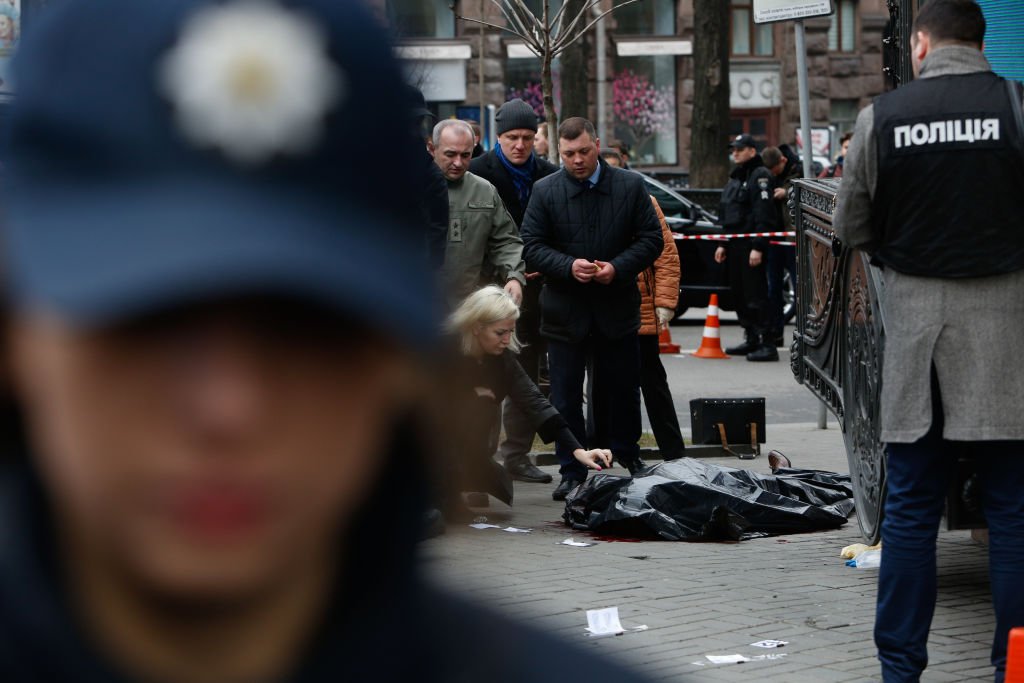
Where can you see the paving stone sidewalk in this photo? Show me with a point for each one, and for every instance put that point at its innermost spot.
(716, 598)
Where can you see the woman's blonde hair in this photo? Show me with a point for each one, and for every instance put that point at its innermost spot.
(485, 306)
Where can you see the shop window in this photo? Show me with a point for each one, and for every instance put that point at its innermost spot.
(843, 115)
(421, 18)
(648, 18)
(522, 78)
(747, 38)
(537, 7)
(644, 108)
(842, 34)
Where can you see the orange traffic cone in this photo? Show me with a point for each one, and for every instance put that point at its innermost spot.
(665, 344)
(711, 344)
(1015, 656)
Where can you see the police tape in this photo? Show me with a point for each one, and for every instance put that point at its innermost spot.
(733, 235)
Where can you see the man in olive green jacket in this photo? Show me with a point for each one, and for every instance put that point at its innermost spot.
(484, 246)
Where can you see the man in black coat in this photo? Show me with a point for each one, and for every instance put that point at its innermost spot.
(747, 206)
(513, 167)
(591, 230)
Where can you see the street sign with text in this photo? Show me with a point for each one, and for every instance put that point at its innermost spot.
(766, 11)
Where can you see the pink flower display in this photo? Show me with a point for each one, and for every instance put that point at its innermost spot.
(642, 108)
(532, 94)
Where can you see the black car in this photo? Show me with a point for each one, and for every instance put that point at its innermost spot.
(701, 276)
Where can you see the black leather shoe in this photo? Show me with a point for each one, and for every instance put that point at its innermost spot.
(742, 349)
(563, 488)
(433, 524)
(527, 471)
(636, 466)
(765, 352)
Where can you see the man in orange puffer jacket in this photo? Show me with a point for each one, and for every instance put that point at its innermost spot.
(659, 292)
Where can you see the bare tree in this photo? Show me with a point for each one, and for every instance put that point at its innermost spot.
(547, 36)
(709, 164)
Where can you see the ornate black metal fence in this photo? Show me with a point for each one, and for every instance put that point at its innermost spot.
(840, 338)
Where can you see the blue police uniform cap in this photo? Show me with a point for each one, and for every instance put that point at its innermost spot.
(140, 177)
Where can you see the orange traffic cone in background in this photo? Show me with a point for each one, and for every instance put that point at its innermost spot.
(1015, 656)
(665, 344)
(711, 343)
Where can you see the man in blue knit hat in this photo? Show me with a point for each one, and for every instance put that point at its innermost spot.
(513, 167)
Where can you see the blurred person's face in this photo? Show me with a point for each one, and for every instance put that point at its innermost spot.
(494, 338)
(517, 145)
(580, 155)
(207, 455)
(845, 148)
(741, 155)
(453, 152)
(540, 143)
(613, 161)
(6, 28)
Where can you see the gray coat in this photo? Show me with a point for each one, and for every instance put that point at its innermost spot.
(971, 330)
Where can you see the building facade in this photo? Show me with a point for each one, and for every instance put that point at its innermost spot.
(648, 93)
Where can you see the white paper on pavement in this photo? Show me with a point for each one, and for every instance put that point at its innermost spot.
(605, 622)
(514, 530)
(727, 659)
(770, 643)
(575, 544)
(768, 658)
(485, 526)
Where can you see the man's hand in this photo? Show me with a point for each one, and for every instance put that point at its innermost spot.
(594, 459)
(533, 276)
(780, 193)
(665, 315)
(516, 290)
(605, 272)
(755, 258)
(720, 255)
(583, 270)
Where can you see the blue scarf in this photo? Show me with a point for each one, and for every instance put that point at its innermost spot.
(522, 176)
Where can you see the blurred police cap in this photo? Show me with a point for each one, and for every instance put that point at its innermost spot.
(161, 153)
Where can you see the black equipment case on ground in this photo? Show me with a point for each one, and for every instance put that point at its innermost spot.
(728, 421)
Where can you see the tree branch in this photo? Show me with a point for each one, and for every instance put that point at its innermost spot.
(512, 16)
(560, 45)
(494, 26)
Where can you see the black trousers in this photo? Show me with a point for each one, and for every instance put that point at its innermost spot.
(661, 410)
(518, 426)
(615, 364)
(781, 258)
(749, 288)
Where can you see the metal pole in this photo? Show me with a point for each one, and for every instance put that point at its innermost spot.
(805, 133)
(805, 97)
(480, 67)
(602, 77)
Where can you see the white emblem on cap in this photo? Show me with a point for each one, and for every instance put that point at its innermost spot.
(252, 79)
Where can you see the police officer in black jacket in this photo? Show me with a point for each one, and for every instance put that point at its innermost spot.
(513, 167)
(931, 188)
(216, 337)
(747, 206)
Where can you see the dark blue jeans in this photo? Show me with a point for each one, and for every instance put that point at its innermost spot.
(616, 367)
(918, 476)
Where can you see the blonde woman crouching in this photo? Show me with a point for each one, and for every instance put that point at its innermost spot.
(485, 324)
